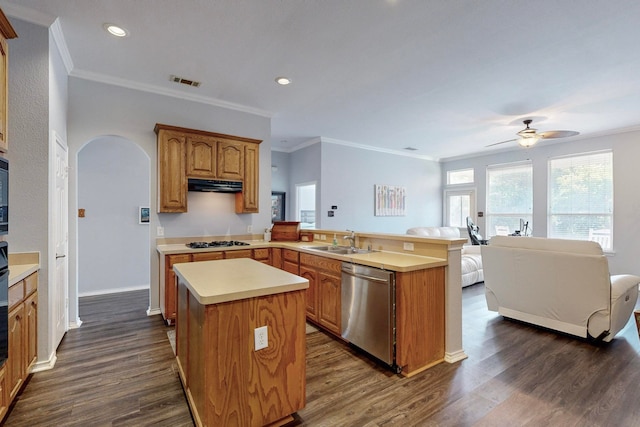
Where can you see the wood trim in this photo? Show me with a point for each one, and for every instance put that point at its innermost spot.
(6, 29)
(160, 126)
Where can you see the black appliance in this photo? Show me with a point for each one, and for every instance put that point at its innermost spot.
(216, 244)
(4, 196)
(4, 303)
(215, 186)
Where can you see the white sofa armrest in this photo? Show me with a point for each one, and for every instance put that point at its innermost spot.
(621, 283)
(624, 294)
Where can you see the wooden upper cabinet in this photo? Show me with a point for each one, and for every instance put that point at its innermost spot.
(201, 157)
(172, 174)
(6, 32)
(185, 153)
(230, 160)
(247, 201)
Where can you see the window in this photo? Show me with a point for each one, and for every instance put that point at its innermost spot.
(581, 198)
(509, 198)
(459, 204)
(461, 176)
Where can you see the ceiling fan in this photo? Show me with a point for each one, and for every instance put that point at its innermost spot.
(530, 136)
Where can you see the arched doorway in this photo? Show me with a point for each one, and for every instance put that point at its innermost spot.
(113, 242)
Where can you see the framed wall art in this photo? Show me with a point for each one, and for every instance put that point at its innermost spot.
(389, 200)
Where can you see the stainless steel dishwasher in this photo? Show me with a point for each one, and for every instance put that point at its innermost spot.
(368, 310)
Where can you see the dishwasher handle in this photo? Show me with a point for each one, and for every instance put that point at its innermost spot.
(370, 278)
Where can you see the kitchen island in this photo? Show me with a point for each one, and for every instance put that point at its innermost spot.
(226, 380)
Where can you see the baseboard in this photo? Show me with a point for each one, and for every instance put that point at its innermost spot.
(455, 356)
(153, 311)
(44, 365)
(113, 291)
(76, 324)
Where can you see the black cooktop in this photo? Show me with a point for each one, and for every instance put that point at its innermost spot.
(216, 244)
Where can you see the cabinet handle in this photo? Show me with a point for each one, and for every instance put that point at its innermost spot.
(18, 317)
(60, 256)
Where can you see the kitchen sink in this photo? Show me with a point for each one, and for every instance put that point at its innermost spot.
(338, 250)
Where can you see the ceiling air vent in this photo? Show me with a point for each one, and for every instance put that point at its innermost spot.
(410, 149)
(184, 81)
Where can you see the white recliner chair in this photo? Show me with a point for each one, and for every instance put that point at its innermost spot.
(558, 284)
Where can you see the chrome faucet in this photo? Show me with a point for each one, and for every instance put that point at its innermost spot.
(352, 239)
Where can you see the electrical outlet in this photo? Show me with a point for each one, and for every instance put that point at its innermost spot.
(261, 338)
(160, 231)
(407, 246)
(249, 228)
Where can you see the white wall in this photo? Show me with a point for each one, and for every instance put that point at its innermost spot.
(28, 134)
(626, 152)
(97, 109)
(348, 178)
(113, 248)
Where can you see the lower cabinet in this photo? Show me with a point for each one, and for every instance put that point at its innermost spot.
(325, 290)
(23, 339)
(4, 395)
(168, 289)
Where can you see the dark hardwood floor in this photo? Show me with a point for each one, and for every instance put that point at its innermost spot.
(118, 369)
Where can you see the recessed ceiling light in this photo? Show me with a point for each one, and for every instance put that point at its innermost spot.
(115, 30)
(283, 80)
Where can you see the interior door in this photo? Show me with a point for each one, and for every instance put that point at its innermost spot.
(60, 299)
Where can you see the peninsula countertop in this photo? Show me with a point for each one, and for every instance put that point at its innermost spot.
(214, 282)
(387, 260)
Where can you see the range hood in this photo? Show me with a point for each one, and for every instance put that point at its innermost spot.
(215, 186)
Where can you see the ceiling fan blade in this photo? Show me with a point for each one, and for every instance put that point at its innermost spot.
(501, 142)
(558, 134)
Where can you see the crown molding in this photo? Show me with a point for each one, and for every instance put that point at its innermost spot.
(61, 44)
(27, 15)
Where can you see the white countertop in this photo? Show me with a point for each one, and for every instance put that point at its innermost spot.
(214, 282)
(379, 259)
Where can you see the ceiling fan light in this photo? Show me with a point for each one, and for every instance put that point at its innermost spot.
(528, 141)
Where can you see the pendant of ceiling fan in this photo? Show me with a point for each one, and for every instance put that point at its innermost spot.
(530, 136)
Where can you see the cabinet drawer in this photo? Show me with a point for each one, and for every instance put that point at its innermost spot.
(321, 263)
(16, 294)
(177, 259)
(242, 253)
(290, 255)
(262, 253)
(31, 284)
(207, 256)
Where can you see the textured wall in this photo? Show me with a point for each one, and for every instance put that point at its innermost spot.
(113, 247)
(29, 158)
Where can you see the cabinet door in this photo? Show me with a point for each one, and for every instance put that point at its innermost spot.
(170, 292)
(263, 255)
(15, 361)
(31, 336)
(3, 95)
(4, 395)
(329, 296)
(247, 201)
(230, 160)
(312, 300)
(172, 174)
(201, 157)
(276, 257)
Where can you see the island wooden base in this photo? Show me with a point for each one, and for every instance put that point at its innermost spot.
(228, 383)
